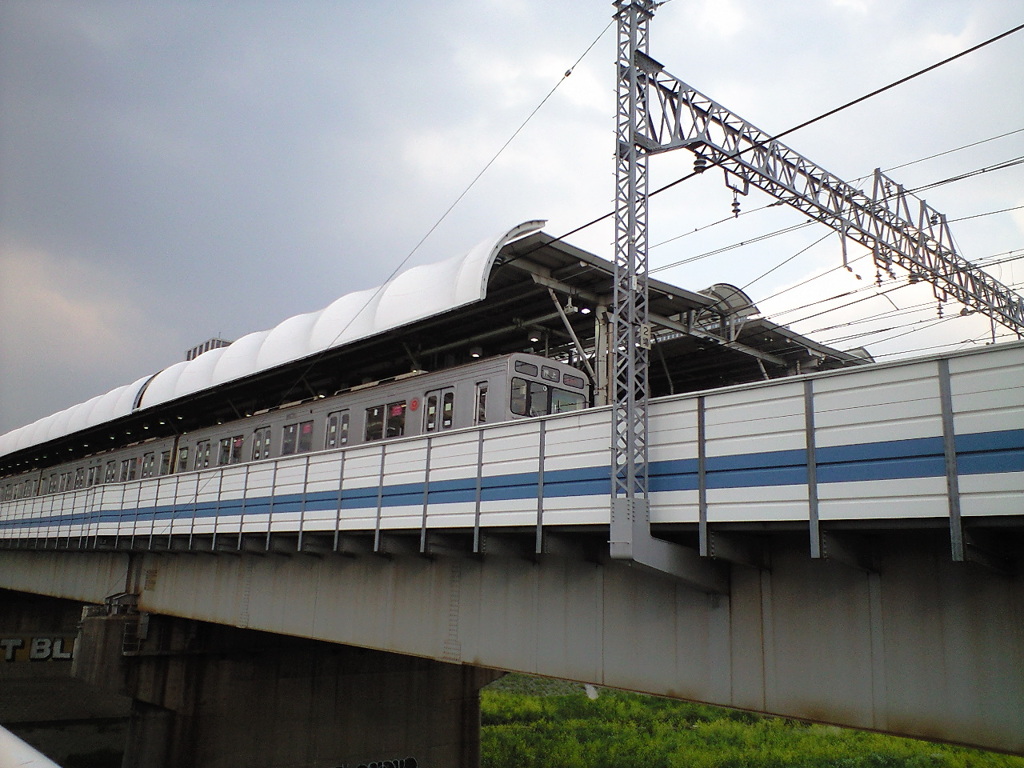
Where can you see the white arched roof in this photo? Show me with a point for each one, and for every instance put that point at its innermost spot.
(413, 295)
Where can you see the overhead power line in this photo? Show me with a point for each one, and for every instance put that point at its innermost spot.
(813, 120)
(969, 174)
(951, 151)
(988, 213)
(458, 199)
(717, 251)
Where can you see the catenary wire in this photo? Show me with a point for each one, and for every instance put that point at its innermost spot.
(969, 174)
(860, 179)
(855, 181)
(451, 207)
(795, 128)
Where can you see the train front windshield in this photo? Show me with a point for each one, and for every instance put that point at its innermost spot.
(540, 398)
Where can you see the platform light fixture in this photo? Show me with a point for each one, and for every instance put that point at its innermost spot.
(475, 352)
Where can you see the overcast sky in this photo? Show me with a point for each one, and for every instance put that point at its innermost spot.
(174, 171)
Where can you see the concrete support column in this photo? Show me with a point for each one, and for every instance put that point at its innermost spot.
(211, 696)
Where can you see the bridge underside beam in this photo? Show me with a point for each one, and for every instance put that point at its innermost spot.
(205, 694)
(916, 644)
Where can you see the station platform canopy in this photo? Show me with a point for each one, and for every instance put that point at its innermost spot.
(520, 290)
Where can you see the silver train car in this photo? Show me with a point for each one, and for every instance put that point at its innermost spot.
(498, 389)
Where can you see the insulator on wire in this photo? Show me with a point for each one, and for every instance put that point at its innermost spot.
(735, 206)
(700, 163)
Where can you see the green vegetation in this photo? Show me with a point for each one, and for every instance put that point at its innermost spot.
(530, 722)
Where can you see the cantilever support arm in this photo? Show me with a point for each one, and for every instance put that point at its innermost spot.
(899, 229)
(633, 544)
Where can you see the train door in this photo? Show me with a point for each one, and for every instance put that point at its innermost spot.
(202, 459)
(261, 444)
(337, 429)
(480, 406)
(439, 410)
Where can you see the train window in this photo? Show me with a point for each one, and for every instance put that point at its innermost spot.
(549, 374)
(288, 439)
(563, 401)
(129, 469)
(480, 416)
(447, 409)
(65, 479)
(110, 475)
(528, 368)
(529, 398)
(517, 402)
(202, 460)
(337, 429)
(183, 459)
(79, 477)
(374, 423)
(305, 437)
(430, 413)
(573, 381)
(54, 480)
(148, 463)
(91, 480)
(385, 420)
(230, 450)
(396, 419)
(297, 438)
(261, 444)
(165, 462)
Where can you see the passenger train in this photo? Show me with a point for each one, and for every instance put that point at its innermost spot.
(504, 388)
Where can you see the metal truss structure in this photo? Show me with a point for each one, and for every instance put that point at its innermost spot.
(656, 112)
(897, 227)
(630, 341)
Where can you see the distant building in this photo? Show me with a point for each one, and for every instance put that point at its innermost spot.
(206, 346)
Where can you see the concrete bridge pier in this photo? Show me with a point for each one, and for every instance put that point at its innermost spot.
(40, 702)
(209, 696)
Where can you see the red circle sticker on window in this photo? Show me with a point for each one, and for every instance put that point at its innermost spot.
(414, 404)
